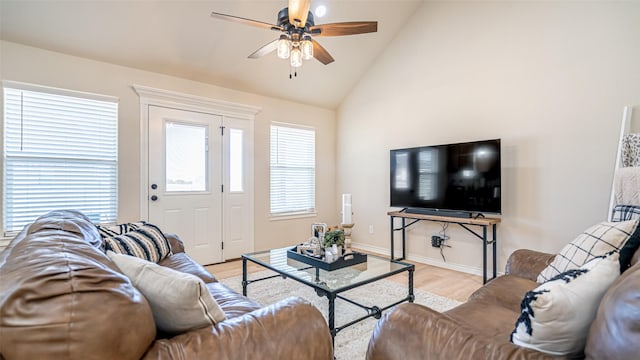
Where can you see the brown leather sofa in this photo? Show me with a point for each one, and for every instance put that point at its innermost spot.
(61, 297)
(481, 327)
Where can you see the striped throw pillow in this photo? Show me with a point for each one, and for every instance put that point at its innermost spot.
(115, 230)
(145, 241)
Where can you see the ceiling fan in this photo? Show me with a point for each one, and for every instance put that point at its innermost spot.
(298, 29)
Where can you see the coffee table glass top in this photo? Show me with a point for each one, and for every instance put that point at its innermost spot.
(335, 281)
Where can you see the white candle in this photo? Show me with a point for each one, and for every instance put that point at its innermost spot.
(346, 213)
(346, 208)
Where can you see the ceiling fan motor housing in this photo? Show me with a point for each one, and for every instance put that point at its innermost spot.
(283, 21)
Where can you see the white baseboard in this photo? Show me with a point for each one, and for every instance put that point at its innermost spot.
(423, 259)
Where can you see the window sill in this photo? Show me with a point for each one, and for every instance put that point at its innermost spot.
(292, 216)
(4, 242)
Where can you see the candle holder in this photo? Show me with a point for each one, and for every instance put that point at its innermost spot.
(347, 236)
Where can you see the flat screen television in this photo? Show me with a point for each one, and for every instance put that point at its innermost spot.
(450, 180)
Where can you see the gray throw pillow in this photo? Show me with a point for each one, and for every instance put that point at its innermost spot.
(179, 301)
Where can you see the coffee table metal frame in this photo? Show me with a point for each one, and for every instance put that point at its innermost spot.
(322, 289)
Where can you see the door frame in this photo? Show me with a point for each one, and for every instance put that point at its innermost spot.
(164, 98)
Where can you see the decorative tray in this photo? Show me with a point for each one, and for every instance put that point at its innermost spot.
(349, 259)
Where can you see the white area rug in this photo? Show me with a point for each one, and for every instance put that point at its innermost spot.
(352, 342)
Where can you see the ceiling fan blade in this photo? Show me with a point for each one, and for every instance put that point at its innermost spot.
(344, 28)
(298, 12)
(264, 50)
(321, 54)
(242, 20)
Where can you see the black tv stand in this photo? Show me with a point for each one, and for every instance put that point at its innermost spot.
(439, 212)
(484, 223)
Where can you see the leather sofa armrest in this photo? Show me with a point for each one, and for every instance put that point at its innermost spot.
(177, 246)
(291, 329)
(416, 332)
(528, 263)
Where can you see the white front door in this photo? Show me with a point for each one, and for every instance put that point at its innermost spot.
(185, 179)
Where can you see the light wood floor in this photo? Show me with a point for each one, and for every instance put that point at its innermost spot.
(452, 284)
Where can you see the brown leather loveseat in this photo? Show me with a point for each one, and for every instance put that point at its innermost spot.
(61, 297)
(481, 327)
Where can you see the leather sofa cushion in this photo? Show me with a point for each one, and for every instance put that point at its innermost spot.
(615, 333)
(291, 329)
(184, 263)
(232, 303)
(494, 308)
(506, 291)
(486, 318)
(416, 332)
(62, 298)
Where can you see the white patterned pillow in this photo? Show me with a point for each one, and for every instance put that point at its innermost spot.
(625, 213)
(179, 301)
(556, 316)
(145, 241)
(598, 240)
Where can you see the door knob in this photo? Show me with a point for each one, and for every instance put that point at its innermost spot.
(154, 198)
(154, 186)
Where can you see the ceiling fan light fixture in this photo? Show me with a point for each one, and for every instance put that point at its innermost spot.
(307, 48)
(321, 10)
(296, 57)
(283, 48)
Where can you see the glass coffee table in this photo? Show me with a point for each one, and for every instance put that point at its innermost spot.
(331, 283)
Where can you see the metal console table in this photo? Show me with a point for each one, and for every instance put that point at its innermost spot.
(484, 223)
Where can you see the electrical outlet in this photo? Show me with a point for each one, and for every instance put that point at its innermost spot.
(370, 229)
(436, 241)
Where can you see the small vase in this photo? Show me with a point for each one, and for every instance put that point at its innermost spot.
(328, 255)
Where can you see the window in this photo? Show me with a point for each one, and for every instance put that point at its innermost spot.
(186, 157)
(60, 152)
(293, 170)
(236, 160)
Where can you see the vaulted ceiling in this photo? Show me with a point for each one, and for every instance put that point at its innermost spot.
(180, 38)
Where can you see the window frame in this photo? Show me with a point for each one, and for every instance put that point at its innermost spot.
(293, 214)
(19, 86)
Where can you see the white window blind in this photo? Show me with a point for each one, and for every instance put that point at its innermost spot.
(60, 152)
(293, 170)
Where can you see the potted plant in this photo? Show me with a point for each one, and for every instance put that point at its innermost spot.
(332, 237)
(334, 241)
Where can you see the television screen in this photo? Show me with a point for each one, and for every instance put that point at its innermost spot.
(458, 177)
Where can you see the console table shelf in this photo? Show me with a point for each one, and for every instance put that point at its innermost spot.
(466, 223)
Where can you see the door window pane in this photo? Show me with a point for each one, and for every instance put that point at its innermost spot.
(236, 160)
(186, 157)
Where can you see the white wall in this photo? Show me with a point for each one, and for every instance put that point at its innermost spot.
(548, 78)
(37, 66)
